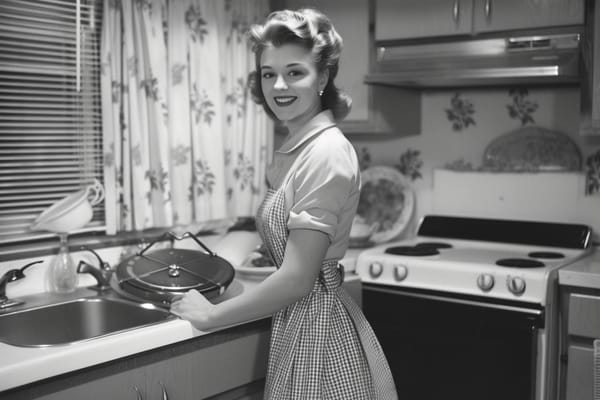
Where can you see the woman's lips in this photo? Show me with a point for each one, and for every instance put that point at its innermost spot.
(284, 101)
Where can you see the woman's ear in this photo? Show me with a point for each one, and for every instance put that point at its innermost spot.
(323, 79)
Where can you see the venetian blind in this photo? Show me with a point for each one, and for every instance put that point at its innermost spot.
(50, 122)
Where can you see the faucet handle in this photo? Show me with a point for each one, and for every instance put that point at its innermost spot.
(102, 264)
(102, 276)
(11, 276)
(18, 273)
(21, 272)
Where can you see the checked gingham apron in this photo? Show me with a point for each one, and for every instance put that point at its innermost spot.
(322, 347)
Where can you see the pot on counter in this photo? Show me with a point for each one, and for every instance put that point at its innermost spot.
(160, 275)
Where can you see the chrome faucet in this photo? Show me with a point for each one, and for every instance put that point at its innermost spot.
(11, 276)
(102, 274)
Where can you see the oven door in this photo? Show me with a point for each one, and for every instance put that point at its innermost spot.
(446, 346)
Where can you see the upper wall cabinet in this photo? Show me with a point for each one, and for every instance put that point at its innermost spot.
(415, 19)
(409, 19)
(590, 71)
(380, 110)
(499, 15)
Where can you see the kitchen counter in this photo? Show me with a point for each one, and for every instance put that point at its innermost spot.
(22, 366)
(25, 365)
(584, 273)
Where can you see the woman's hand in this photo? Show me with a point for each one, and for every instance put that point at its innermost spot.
(195, 308)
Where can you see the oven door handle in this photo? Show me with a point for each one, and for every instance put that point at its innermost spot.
(526, 310)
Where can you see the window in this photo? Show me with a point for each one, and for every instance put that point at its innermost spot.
(50, 110)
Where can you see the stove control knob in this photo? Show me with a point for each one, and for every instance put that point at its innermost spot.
(516, 285)
(485, 282)
(400, 272)
(375, 269)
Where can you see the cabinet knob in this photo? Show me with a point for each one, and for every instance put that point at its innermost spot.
(456, 11)
(487, 9)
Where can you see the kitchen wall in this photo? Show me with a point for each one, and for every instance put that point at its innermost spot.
(457, 126)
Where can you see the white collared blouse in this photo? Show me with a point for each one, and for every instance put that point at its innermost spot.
(319, 172)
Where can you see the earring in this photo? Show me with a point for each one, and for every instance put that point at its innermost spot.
(320, 93)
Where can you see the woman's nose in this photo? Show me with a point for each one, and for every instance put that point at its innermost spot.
(280, 83)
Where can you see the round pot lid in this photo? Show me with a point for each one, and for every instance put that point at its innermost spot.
(174, 271)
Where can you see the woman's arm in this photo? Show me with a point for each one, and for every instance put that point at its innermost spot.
(304, 254)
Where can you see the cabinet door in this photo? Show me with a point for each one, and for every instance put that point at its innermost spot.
(124, 385)
(209, 371)
(590, 76)
(500, 15)
(580, 373)
(411, 19)
(584, 315)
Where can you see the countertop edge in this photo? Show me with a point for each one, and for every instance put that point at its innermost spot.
(62, 361)
(584, 273)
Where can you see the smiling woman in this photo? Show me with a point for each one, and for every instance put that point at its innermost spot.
(50, 138)
(321, 345)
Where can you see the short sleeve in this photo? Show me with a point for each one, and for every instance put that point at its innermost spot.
(322, 183)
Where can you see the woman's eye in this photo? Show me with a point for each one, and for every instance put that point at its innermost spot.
(267, 75)
(295, 73)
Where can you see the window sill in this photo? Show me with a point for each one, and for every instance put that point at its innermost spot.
(99, 240)
(93, 240)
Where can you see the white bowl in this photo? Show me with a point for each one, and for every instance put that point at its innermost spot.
(72, 212)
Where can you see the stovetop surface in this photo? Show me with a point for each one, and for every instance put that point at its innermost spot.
(457, 266)
(436, 250)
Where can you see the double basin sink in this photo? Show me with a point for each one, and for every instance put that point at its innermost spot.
(81, 316)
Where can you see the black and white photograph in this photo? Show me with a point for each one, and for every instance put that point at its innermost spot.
(300, 199)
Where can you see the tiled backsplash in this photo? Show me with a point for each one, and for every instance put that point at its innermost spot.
(458, 125)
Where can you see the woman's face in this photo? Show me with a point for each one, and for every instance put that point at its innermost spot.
(291, 83)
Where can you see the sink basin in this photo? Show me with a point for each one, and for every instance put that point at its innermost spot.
(76, 320)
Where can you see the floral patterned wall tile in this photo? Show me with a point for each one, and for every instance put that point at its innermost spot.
(458, 126)
(592, 165)
(461, 112)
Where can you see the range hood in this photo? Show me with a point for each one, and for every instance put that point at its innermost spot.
(539, 59)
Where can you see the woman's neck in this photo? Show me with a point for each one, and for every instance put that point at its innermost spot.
(296, 125)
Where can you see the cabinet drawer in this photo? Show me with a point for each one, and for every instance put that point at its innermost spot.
(580, 373)
(584, 315)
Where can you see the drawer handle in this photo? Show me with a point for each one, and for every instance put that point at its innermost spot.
(488, 10)
(165, 395)
(456, 11)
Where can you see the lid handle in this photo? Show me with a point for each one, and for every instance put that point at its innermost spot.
(173, 235)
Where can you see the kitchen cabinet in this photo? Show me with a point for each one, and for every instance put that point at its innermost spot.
(501, 15)
(580, 325)
(414, 19)
(375, 109)
(421, 18)
(229, 364)
(590, 71)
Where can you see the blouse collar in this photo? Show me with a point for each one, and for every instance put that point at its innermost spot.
(316, 125)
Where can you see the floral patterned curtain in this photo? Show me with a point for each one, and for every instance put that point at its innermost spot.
(184, 144)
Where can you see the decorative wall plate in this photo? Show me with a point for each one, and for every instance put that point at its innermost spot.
(532, 149)
(387, 198)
